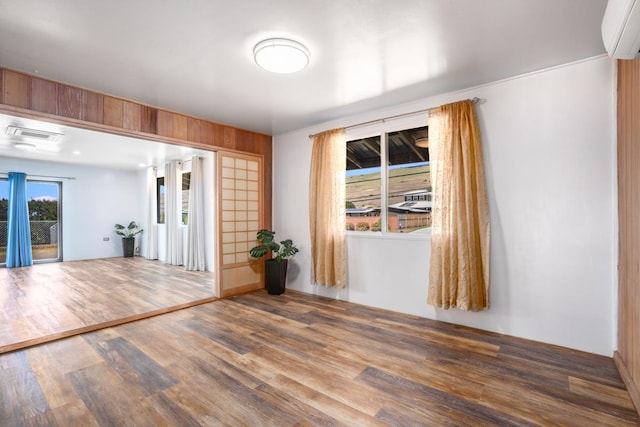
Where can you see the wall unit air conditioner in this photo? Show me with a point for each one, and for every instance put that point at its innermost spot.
(621, 29)
(42, 135)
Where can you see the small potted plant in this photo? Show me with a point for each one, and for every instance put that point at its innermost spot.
(128, 234)
(276, 267)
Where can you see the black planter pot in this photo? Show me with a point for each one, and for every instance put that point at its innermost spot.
(128, 245)
(275, 276)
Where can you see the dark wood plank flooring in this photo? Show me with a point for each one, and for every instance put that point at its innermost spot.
(46, 302)
(296, 359)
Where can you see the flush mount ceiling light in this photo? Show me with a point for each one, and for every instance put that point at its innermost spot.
(281, 55)
(25, 146)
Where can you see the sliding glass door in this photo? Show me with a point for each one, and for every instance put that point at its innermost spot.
(44, 214)
(44, 200)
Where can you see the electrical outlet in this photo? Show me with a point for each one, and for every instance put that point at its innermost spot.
(105, 239)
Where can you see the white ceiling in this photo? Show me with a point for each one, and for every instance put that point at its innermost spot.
(195, 57)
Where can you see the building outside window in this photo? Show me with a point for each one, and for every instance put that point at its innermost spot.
(388, 182)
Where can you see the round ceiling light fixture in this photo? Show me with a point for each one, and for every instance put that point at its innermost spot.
(281, 55)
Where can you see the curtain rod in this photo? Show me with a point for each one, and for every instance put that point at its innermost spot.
(43, 176)
(475, 100)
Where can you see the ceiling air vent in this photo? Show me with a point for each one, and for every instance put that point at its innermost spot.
(41, 135)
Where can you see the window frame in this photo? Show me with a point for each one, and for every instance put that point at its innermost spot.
(59, 187)
(160, 182)
(158, 210)
(382, 129)
(182, 194)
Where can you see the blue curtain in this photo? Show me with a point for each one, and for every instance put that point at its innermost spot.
(19, 233)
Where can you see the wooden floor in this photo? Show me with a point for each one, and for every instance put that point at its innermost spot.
(295, 359)
(49, 301)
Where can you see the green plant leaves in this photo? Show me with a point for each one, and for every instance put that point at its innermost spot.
(129, 231)
(279, 251)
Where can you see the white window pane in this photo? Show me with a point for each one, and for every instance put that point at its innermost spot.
(407, 187)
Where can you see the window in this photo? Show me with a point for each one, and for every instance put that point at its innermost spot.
(184, 198)
(160, 199)
(186, 185)
(388, 182)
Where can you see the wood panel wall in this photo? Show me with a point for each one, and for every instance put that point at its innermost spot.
(627, 356)
(34, 97)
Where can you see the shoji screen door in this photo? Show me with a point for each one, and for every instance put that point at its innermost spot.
(240, 217)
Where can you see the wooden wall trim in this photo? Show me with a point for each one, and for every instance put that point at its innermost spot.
(99, 127)
(33, 93)
(627, 356)
(634, 393)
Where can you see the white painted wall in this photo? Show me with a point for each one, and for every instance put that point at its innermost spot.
(92, 203)
(549, 145)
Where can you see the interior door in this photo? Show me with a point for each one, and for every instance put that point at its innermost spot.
(240, 216)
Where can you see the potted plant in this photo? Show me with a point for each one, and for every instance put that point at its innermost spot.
(128, 234)
(276, 267)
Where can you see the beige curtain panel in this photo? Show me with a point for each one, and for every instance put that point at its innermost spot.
(327, 209)
(459, 269)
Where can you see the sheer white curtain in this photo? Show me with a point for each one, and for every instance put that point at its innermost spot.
(151, 230)
(173, 211)
(195, 228)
